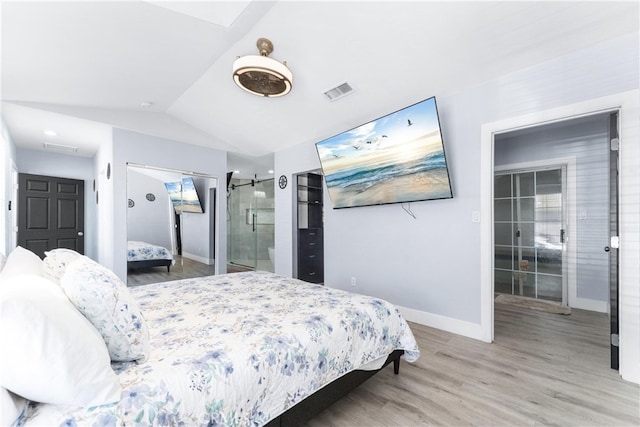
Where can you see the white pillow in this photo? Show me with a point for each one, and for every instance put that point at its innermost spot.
(102, 297)
(56, 261)
(21, 261)
(11, 407)
(3, 259)
(51, 353)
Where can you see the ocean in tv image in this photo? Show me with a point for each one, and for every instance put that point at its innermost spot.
(184, 197)
(394, 159)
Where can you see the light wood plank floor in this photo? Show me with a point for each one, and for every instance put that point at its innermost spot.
(188, 270)
(542, 369)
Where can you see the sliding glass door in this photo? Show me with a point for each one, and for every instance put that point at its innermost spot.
(529, 215)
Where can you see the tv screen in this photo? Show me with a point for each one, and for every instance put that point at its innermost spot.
(394, 159)
(184, 197)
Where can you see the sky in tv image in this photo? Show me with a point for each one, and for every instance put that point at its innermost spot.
(184, 198)
(394, 159)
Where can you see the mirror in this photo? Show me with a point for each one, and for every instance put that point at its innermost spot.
(170, 224)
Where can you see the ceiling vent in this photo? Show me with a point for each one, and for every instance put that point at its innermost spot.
(61, 148)
(339, 91)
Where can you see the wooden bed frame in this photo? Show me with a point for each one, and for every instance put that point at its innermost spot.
(329, 394)
(148, 263)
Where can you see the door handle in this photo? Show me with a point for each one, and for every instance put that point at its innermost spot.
(607, 248)
(80, 233)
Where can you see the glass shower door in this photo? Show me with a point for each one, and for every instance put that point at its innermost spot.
(251, 224)
(530, 234)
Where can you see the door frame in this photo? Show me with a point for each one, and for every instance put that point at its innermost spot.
(570, 204)
(628, 106)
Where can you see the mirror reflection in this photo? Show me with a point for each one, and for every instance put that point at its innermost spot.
(170, 225)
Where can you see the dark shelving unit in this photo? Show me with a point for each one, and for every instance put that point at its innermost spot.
(310, 239)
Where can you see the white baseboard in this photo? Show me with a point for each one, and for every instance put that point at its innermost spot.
(591, 305)
(449, 324)
(198, 258)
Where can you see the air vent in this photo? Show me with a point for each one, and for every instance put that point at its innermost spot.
(338, 91)
(61, 148)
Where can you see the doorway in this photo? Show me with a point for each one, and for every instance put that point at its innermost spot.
(587, 143)
(250, 224)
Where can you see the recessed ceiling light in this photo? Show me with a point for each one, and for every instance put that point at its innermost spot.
(50, 133)
(236, 171)
(271, 171)
(146, 104)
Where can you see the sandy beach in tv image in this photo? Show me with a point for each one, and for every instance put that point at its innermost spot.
(184, 197)
(396, 158)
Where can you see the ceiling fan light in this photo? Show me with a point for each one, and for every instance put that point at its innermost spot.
(261, 75)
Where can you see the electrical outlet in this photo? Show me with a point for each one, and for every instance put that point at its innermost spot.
(353, 281)
(475, 216)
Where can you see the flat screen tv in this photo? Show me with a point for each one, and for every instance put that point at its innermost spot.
(185, 197)
(396, 158)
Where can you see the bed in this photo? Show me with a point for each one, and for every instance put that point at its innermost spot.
(249, 348)
(146, 255)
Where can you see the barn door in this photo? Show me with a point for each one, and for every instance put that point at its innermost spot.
(50, 213)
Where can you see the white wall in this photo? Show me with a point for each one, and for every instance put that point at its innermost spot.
(431, 266)
(7, 156)
(133, 147)
(65, 166)
(196, 228)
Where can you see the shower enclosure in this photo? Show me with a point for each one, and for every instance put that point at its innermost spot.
(250, 223)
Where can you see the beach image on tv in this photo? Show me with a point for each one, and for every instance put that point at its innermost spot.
(184, 197)
(394, 159)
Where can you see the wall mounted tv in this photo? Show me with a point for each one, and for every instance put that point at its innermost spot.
(396, 158)
(185, 197)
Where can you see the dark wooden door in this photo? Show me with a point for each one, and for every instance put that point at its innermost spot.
(50, 213)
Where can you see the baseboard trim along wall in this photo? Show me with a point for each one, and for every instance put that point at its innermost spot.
(198, 258)
(449, 324)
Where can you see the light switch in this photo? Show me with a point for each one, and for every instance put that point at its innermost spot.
(475, 216)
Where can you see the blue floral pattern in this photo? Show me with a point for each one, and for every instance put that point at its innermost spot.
(141, 251)
(240, 349)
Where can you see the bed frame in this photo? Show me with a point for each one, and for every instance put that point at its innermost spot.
(148, 263)
(329, 394)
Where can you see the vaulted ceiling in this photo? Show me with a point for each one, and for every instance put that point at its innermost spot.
(164, 68)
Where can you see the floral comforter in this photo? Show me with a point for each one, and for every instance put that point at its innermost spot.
(141, 251)
(240, 349)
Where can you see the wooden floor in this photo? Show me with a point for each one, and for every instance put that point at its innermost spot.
(542, 369)
(187, 270)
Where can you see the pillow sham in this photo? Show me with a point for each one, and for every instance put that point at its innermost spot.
(11, 407)
(52, 354)
(103, 299)
(21, 261)
(56, 261)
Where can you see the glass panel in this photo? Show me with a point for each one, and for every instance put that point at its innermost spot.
(504, 257)
(550, 287)
(502, 281)
(523, 184)
(524, 259)
(503, 233)
(265, 225)
(549, 261)
(526, 233)
(548, 235)
(523, 209)
(524, 284)
(549, 207)
(549, 182)
(502, 210)
(502, 186)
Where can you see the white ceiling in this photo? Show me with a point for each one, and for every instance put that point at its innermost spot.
(80, 68)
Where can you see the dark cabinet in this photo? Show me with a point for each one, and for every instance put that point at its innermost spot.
(310, 236)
